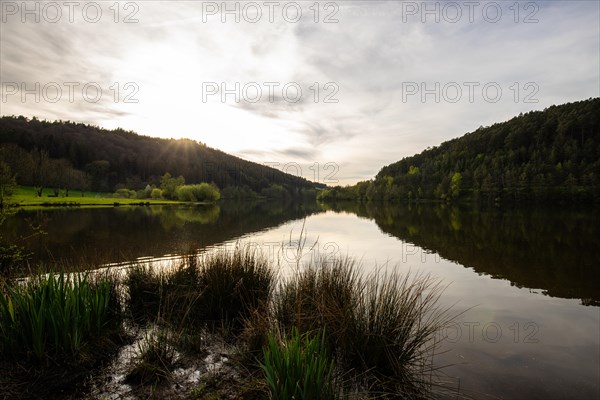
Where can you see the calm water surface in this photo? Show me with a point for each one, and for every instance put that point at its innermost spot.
(528, 279)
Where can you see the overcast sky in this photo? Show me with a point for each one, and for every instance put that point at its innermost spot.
(378, 80)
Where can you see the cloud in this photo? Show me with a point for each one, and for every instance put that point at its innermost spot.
(367, 59)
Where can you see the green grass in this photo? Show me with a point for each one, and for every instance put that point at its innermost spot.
(299, 367)
(326, 331)
(381, 326)
(52, 317)
(218, 290)
(25, 196)
(233, 284)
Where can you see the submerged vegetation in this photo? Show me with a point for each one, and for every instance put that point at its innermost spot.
(324, 330)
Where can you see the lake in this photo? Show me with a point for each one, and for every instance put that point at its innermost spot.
(525, 279)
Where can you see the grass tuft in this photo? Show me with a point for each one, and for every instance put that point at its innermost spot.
(381, 326)
(232, 285)
(144, 285)
(218, 290)
(299, 367)
(154, 360)
(53, 316)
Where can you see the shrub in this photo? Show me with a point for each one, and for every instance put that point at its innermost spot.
(144, 193)
(206, 192)
(125, 194)
(200, 192)
(10, 256)
(169, 185)
(156, 193)
(185, 193)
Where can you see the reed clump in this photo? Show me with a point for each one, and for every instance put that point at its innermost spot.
(217, 290)
(52, 317)
(298, 367)
(232, 286)
(381, 326)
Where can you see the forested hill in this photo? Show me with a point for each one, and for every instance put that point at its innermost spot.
(542, 155)
(110, 158)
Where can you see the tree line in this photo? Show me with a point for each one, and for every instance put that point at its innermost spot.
(64, 155)
(549, 155)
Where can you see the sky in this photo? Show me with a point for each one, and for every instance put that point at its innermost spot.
(330, 90)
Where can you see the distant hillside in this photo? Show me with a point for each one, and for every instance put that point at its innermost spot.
(539, 156)
(113, 158)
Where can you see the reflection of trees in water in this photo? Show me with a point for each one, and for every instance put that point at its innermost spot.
(555, 250)
(118, 234)
(176, 217)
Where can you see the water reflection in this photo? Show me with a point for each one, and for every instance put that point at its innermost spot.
(557, 251)
(111, 235)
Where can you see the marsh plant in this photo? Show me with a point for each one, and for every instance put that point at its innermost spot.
(155, 358)
(381, 327)
(55, 315)
(217, 290)
(298, 367)
(144, 285)
(233, 284)
(326, 318)
(323, 330)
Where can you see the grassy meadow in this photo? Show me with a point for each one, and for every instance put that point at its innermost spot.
(25, 196)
